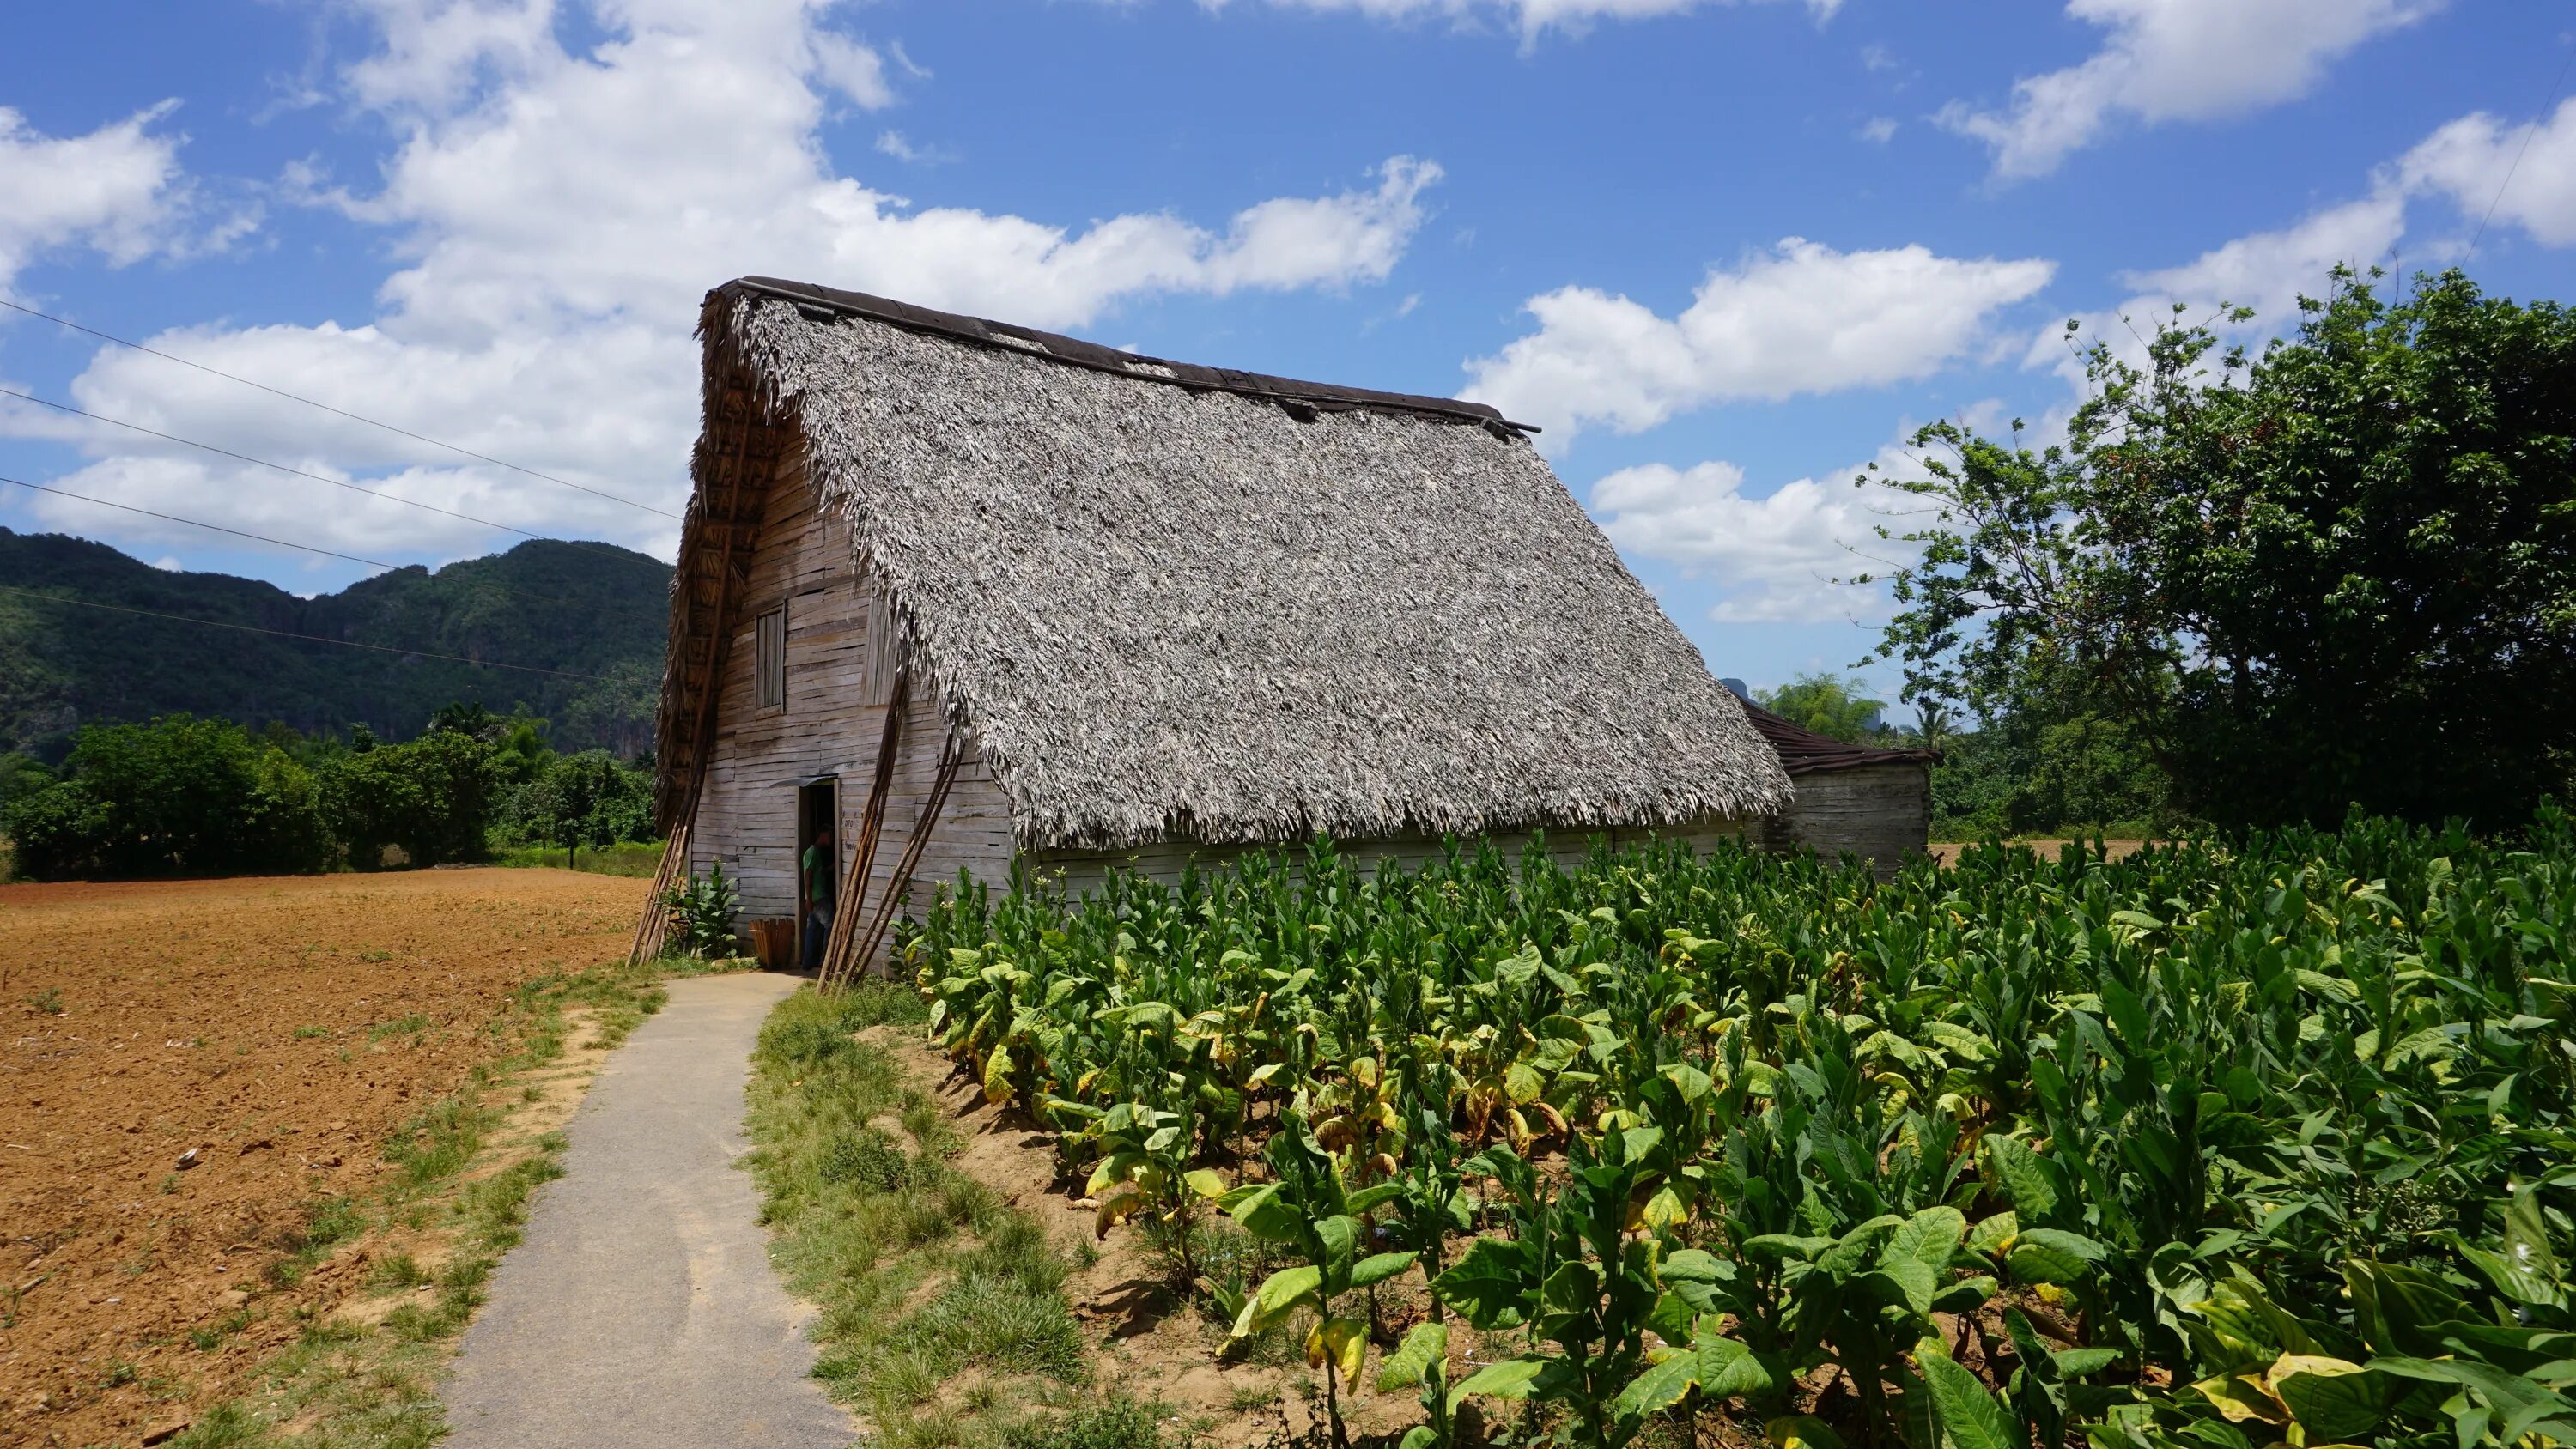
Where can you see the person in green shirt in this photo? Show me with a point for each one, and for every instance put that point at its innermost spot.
(819, 882)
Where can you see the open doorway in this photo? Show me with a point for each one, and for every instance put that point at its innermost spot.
(818, 870)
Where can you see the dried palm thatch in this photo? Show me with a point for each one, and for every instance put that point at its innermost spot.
(1175, 602)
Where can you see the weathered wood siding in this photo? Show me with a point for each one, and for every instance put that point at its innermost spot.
(1882, 813)
(1084, 870)
(747, 815)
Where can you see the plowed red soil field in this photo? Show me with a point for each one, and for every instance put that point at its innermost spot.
(279, 1029)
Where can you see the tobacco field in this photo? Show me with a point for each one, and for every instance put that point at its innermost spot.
(2218, 1146)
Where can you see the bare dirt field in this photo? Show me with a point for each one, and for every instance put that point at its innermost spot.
(280, 1030)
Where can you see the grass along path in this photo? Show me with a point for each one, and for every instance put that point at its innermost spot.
(943, 1314)
(364, 1375)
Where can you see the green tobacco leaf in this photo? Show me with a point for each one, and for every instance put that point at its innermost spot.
(1280, 1292)
(2398, 1309)
(1694, 1277)
(1359, 1203)
(1664, 1383)
(2047, 1255)
(1341, 1239)
(1969, 1416)
(1264, 1213)
(1508, 1379)
(1671, 1318)
(1378, 1267)
(1491, 1285)
(2075, 1363)
(2332, 1399)
(1917, 1255)
(1786, 1247)
(1966, 1295)
(1990, 1234)
(2128, 1016)
(1727, 1369)
(2025, 1180)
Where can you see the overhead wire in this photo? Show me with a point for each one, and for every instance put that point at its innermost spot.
(547, 599)
(335, 411)
(308, 638)
(2532, 130)
(302, 473)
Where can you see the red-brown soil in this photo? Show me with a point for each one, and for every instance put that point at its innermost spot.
(282, 1029)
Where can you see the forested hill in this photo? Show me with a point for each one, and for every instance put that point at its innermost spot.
(589, 609)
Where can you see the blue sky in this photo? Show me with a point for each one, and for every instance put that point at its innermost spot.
(1726, 253)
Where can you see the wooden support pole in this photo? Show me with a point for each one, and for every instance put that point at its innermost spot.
(951, 755)
(836, 965)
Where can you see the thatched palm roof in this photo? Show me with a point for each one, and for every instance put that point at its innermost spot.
(1179, 601)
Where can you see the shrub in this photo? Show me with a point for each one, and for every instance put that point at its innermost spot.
(702, 915)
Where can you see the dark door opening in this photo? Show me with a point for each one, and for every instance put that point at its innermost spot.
(818, 872)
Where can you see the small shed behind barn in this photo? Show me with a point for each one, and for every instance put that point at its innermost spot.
(1873, 803)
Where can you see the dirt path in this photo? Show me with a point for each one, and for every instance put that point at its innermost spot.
(641, 1310)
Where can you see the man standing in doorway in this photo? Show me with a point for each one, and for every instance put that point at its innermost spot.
(819, 872)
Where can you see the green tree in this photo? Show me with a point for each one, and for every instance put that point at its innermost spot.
(590, 798)
(431, 798)
(179, 796)
(1832, 705)
(2343, 571)
(21, 775)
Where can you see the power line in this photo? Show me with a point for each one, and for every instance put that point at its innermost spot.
(199, 523)
(326, 407)
(2532, 130)
(298, 472)
(309, 638)
(305, 547)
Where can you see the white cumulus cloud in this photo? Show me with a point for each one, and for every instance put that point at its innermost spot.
(2175, 60)
(118, 190)
(1801, 318)
(2473, 159)
(558, 212)
(1531, 18)
(1776, 558)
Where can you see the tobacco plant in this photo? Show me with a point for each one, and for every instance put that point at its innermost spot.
(2223, 1145)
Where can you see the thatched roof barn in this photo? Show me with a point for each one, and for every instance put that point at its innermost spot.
(1861, 800)
(1012, 595)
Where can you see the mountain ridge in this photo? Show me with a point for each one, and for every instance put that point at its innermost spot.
(583, 608)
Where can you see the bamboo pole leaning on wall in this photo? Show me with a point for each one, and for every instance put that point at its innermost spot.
(835, 968)
(951, 755)
(656, 921)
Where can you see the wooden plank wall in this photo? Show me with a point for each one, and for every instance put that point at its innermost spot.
(1086, 870)
(747, 815)
(1882, 813)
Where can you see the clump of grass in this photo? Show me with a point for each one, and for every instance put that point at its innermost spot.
(48, 1002)
(412, 1025)
(867, 1226)
(1115, 1422)
(396, 1273)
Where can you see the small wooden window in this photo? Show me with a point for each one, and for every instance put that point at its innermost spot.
(769, 659)
(884, 629)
